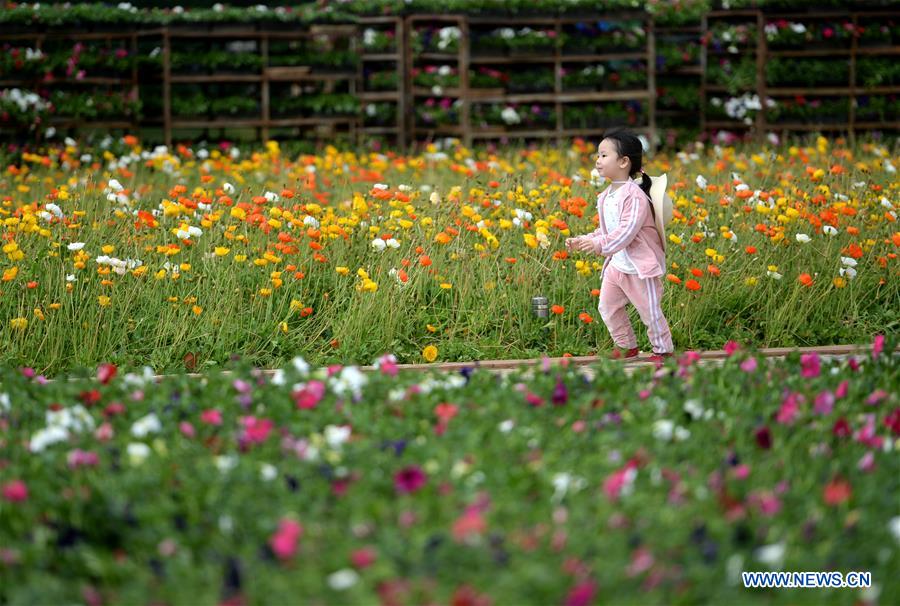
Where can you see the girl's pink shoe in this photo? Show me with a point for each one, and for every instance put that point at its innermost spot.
(624, 354)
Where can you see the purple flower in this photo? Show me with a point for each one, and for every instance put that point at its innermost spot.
(409, 479)
(560, 394)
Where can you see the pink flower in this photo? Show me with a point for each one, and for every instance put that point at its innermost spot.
(388, 365)
(790, 407)
(618, 480)
(877, 346)
(82, 458)
(470, 523)
(409, 479)
(310, 395)
(211, 416)
(284, 541)
(810, 364)
(876, 396)
(767, 503)
(731, 347)
(15, 491)
(241, 387)
(688, 358)
(842, 389)
(749, 365)
(186, 429)
(867, 462)
(641, 561)
(582, 594)
(866, 434)
(741, 472)
(363, 557)
(256, 431)
(104, 433)
(534, 399)
(824, 403)
(106, 372)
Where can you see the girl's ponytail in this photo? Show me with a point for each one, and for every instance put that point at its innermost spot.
(645, 183)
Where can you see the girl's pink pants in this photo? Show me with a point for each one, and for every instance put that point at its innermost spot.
(617, 290)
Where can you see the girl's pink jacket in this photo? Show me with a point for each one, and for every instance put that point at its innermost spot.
(636, 233)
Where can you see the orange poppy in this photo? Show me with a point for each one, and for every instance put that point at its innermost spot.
(806, 280)
(557, 309)
(692, 285)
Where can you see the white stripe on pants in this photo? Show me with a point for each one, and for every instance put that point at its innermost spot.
(619, 289)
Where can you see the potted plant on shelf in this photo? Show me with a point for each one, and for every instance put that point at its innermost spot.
(487, 78)
(620, 39)
(630, 76)
(382, 81)
(23, 109)
(436, 77)
(580, 39)
(437, 113)
(380, 114)
(492, 43)
(531, 81)
(190, 106)
(876, 34)
(18, 62)
(583, 79)
(376, 41)
(529, 42)
(234, 107)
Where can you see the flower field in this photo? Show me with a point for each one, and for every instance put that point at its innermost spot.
(546, 486)
(185, 257)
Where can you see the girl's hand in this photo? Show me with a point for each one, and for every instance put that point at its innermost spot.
(582, 245)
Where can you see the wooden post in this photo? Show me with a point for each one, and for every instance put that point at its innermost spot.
(167, 88)
(557, 82)
(464, 94)
(135, 85)
(854, 46)
(264, 86)
(401, 43)
(761, 52)
(704, 50)
(651, 81)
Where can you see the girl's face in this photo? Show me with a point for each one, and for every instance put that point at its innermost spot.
(609, 163)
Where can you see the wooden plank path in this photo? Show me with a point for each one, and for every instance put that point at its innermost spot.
(710, 356)
(642, 361)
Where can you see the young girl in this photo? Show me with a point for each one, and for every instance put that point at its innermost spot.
(635, 254)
